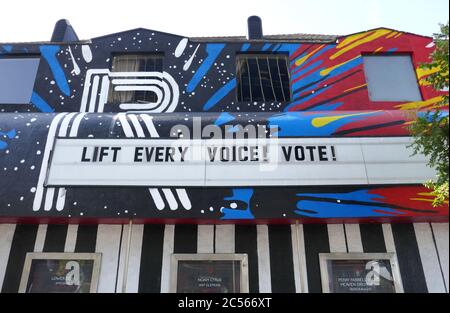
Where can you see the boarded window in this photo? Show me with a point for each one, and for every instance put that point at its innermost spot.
(263, 78)
(17, 76)
(391, 78)
(135, 63)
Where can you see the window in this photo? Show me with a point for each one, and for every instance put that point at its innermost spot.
(60, 273)
(391, 78)
(360, 273)
(209, 273)
(263, 78)
(17, 76)
(135, 93)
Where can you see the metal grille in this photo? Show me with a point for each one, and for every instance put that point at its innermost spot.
(263, 78)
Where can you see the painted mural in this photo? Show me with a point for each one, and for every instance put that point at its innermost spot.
(27, 149)
(329, 98)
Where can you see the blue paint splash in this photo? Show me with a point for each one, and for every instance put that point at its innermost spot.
(245, 47)
(430, 116)
(7, 48)
(40, 103)
(306, 70)
(299, 124)
(224, 118)
(328, 106)
(8, 135)
(213, 51)
(347, 66)
(266, 46)
(324, 209)
(243, 195)
(314, 56)
(359, 195)
(222, 92)
(289, 47)
(341, 210)
(49, 54)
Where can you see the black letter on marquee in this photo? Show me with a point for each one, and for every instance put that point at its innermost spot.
(323, 153)
(83, 156)
(137, 154)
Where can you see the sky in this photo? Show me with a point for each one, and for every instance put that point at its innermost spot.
(23, 21)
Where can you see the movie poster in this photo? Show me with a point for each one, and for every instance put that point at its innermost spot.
(209, 277)
(60, 276)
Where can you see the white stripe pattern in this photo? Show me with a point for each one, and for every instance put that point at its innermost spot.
(336, 238)
(103, 94)
(71, 238)
(108, 240)
(225, 236)
(40, 238)
(137, 125)
(265, 278)
(48, 146)
(148, 121)
(173, 204)
(205, 239)
(169, 236)
(353, 234)
(94, 93)
(429, 258)
(6, 238)
(440, 231)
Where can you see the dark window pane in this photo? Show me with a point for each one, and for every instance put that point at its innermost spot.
(263, 78)
(266, 80)
(255, 81)
(135, 63)
(282, 66)
(17, 77)
(245, 81)
(275, 75)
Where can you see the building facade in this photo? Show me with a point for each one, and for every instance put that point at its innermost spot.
(278, 152)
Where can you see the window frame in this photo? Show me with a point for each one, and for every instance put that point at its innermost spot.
(160, 54)
(391, 256)
(30, 256)
(392, 54)
(242, 257)
(16, 55)
(255, 54)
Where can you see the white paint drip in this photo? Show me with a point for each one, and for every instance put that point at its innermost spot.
(187, 65)
(87, 53)
(76, 69)
(180, 48)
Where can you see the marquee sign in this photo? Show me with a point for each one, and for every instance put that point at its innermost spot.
(232, 162)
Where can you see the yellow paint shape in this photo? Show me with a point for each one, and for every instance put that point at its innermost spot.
(375, 35)
(425, 200)
(424, 82)
(306, 57)
(398, 35)
(421, 72)
(391, 35)
(355, 87)
(426, 194)
(421, 199)
(378, 49)
(323, 121)
(328, 70)
(419, 104)
(350, 39)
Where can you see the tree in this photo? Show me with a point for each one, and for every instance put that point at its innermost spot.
(430, 129)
